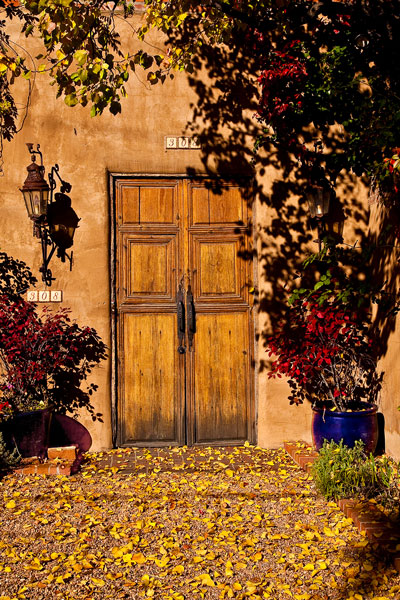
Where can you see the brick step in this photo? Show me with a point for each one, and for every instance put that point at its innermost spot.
(62, 460)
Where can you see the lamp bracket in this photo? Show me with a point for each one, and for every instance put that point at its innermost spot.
(33, 152)
(65, 187)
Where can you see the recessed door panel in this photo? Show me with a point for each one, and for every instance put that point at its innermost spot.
(219, 271)
(157, 204)
(223, 208)
(147, 203)
(220, 373)
(149, 268)
(151, 400)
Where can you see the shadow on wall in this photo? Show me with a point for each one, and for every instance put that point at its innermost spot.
(225, 121)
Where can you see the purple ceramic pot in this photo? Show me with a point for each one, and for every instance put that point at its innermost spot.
(30, 432)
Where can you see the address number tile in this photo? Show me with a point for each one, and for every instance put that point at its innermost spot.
(44, 296)
(171, 142)
(56, 296)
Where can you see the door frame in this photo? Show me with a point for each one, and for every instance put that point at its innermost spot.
(112, 178)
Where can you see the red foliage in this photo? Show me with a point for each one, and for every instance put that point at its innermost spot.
(282, 83)
(45, 358)
(325, 353)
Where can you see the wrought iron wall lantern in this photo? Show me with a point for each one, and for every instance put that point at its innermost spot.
(54, 221)
(324, 207)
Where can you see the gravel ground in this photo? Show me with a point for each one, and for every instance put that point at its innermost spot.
(243, 523)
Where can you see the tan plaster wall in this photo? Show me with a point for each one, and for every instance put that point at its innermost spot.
(389, 364)
(87, 150)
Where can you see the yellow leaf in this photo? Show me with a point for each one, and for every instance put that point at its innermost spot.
(86, 564)
(98, 582)
(139, 558)
(229, 472)
(309, 567)
(10, 504)
(178, 569)
(161, 563)
(77, 568)
(237, 586)
(206, 580)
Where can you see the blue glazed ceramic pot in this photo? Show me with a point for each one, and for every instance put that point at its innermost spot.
(347, 426)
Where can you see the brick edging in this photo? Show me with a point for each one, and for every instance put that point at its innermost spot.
(368, 519)
(63, 460)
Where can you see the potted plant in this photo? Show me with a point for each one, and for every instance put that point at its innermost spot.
(325, 350)
(44, 360)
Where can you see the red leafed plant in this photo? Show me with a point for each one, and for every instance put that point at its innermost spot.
(326, 354)
(44, 359)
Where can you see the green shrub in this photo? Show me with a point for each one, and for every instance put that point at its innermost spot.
(8, 459)
(342, 472)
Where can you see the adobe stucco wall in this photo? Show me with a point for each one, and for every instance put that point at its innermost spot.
(87, 150)
(389, 266)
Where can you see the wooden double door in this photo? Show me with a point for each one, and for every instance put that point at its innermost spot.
(184, 326)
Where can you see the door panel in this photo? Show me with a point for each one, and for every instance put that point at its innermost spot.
(208, 207)
(218, 271)
(149, 267)
(151, 399)
(220, 378)
(175, 234)
(148, 203)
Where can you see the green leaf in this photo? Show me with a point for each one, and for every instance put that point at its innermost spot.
(71, 100)
(81, 56)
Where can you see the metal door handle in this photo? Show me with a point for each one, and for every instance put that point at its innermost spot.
(191, 317)
(181, 319)
(180, 310)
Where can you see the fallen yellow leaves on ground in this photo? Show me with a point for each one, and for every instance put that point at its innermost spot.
(213, 524)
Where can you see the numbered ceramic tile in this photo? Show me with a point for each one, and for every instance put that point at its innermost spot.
(183, 142)
(44, 296)
(32, 296)
(56, 296)
(170, 142)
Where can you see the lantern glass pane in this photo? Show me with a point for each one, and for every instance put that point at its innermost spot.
(326, 196)
(318, 201)
(28, 203)
(36, 202)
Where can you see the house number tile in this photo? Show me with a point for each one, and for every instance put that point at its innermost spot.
(44, 296)
(182, 142)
